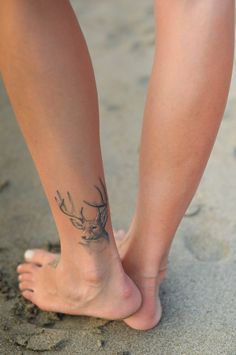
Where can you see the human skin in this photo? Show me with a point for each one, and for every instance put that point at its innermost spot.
(186, 99)
(49, 78)
(187, 94)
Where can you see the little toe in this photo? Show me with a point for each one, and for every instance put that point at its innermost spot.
(26, 285)
(27, 294)
(39, 256)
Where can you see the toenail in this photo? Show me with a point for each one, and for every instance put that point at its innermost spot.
(28, 254)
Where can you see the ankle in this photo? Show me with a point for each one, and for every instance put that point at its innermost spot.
(91, 273)
(146, 267)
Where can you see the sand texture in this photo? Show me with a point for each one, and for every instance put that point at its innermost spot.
(199, 295)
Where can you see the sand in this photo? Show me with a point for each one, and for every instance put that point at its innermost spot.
(199, 294)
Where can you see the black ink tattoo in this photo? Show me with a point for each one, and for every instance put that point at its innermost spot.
(94, 229)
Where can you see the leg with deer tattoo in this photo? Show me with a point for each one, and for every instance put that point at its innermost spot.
(49, 78)
(94, 229)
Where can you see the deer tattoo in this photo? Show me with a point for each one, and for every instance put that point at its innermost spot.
(94, 229)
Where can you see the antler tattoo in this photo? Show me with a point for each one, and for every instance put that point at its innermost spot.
(94, 229)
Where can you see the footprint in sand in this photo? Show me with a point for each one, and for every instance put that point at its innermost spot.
(193, 210)
(42, 340)
(206, 248)
(234, 152)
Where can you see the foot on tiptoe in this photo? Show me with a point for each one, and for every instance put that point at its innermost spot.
(149, 314)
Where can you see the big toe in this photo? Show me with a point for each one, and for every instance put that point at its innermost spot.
(40, 257)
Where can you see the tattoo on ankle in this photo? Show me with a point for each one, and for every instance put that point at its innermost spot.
(94, 229)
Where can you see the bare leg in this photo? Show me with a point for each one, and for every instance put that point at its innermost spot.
(47, 71)
(186, 99)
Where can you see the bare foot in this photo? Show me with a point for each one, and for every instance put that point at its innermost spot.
(52, 286)
(149, 315)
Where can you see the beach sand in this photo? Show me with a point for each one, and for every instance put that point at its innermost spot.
(198, 296)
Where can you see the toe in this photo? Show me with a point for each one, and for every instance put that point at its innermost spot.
(119, 234)
(27, 268)
(26, 276)
(27, 294)
(39, 256)
(26, 285)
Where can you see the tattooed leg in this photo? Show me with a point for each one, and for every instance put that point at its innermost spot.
(93, 229)
(43, 257)
(49, 78)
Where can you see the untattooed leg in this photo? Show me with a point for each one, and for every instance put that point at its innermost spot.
(186, 99)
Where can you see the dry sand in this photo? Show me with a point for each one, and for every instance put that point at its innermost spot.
(200, 291)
